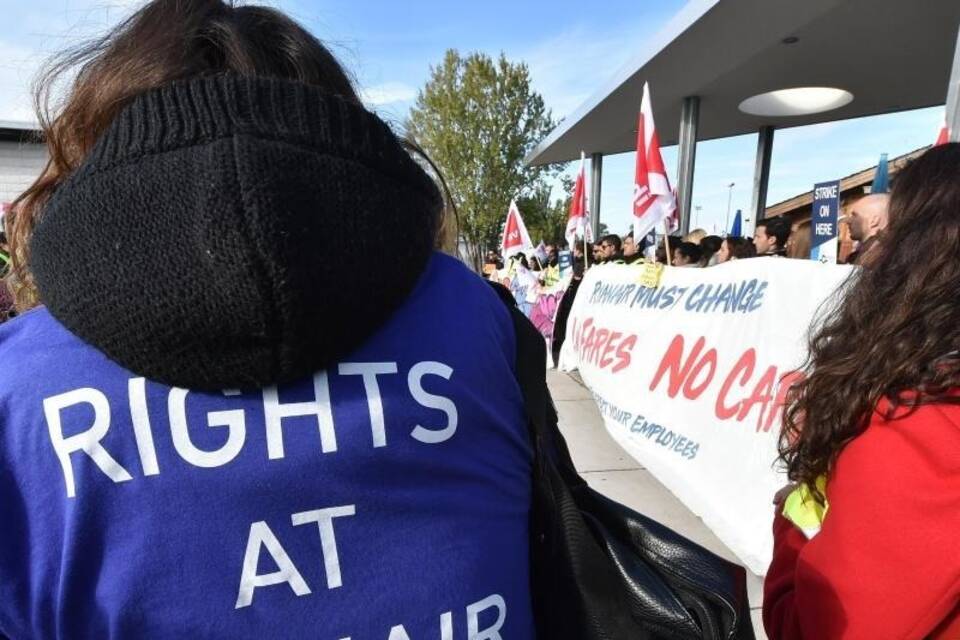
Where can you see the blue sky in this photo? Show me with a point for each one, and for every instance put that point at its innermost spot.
(571, 49)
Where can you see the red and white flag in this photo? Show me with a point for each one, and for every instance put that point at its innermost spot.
(653, 200)
(515, 236)
(944, 136)
(578, 224)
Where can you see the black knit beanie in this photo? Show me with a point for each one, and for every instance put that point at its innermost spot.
(233, 232)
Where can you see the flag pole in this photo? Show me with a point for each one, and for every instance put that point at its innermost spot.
(586, 208)
(666, 242)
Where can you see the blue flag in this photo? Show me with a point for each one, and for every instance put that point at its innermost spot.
(735, 230)
(881, 179)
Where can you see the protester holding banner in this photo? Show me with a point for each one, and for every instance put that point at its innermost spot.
(770, 237)
(735, 249)
(687, 254)
(597, 255)
(352, 456)
(709, 247)
(610, 248)
(631, 252)
(866, 546)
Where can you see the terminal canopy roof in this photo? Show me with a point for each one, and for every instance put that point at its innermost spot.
(15, 130)
(892, 55)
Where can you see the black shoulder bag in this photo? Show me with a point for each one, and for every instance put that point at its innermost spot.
(599, 570)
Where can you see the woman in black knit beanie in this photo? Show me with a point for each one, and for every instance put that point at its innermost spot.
(223, 423)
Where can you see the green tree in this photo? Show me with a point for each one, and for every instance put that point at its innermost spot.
(544, 215)
(478, 119)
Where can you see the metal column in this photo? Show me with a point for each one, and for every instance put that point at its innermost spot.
(953, 96)
(596, 173)
(689, 121)
(761, 172)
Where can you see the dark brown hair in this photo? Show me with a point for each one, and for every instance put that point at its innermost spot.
(740, 248)
(896, 332)
(798, 245)
(165, 41)
(777, 228)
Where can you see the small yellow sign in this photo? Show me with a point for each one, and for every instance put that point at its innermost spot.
(650, 276)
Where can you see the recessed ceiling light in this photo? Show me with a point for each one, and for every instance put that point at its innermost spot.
(800, 101)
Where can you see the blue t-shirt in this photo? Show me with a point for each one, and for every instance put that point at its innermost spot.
(386, 498)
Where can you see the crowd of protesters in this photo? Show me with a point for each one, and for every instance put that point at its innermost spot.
(773, 237)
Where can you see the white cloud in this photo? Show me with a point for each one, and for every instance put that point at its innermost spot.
(387, 93)
(569, 67)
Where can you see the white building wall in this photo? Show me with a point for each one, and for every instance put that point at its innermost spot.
(20, 164)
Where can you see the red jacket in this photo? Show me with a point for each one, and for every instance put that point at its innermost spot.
(886, 563)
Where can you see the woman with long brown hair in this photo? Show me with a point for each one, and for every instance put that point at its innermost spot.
(216, 420)
(866, 545)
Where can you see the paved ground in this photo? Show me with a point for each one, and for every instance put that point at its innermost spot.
(610, 470)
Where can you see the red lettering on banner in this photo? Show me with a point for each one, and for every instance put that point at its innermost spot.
(582, 334)
(588, 330)
(682, 373)
(605, 360)
(690, 389)
(762, 394)
(623, 353)
(744, 368)
(692, 374)
(603, 347)
(598, 339)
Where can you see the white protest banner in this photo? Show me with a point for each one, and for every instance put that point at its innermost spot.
(689, 378)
